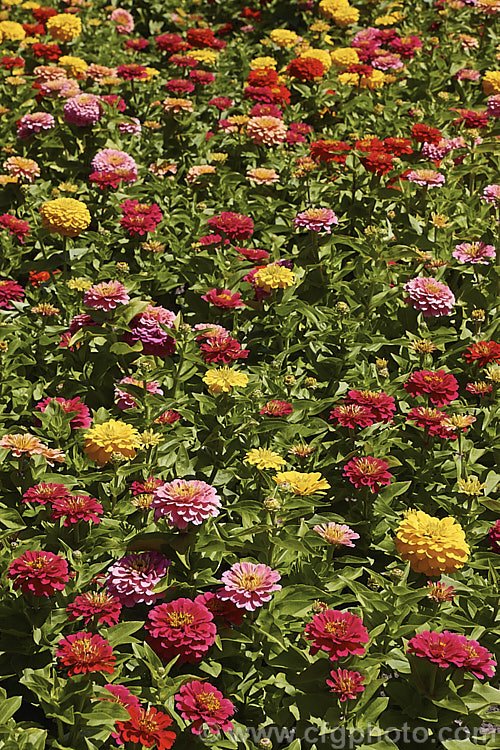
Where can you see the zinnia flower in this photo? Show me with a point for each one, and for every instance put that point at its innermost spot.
(263, 458)
(85, 652)
(10, 291)
(430, 296)
(106, 296)
(63, 27)
(181, 627)
(39, 573)
(248, 585)
(426, 177)
(276, 408)
(83, 110)
(316, 220)
(451, 649)
(34, 123)
(302, 483)
(273, 276)
(368, 471)
(95, 607)
(146, 728)
(474, 252)
(336, 534)
(223, 298)
(111, 437)
(201, 703)
(75, 508)
(483, 353)
(132, 578)
(494, 537)
(223, 379)
(81, 415)
(432, 545)
(338, 633)
(346, 684)
(267, 131)
(125, 401)
(45, 493)
(65, 216)
(440, 386)
(234, 226)
(186, 501)
(140, 218)
(20, 229)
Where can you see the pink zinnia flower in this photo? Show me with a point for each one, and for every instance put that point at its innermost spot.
(76, 508)
(181, 627)
(83, 652)
(155, 341)
(316, 219)
(39, 573)
(133, 578)
(106, 296)
(34, 123)
(338, 633)
(494, 537)
(477, 659)
(352, 416)
(125, 401)
(140, 218)
(132, 126)
(337, 534)
(267, 131)
(96, 607)
(81, 418)
(83, 110)
(440, 386)
(346, 684)
(494, 106)
(17, 227)
(474, 252)
(123, 19)
(201, 703)
(114, 162)
(426, 177)
(123, 696)
(248, 585)
(186, 501)
(45, 493)
(223, 298)
(380, 404)
(491, 194)
(367, 472)
(276, 408)
(232, 225)
(430, 296)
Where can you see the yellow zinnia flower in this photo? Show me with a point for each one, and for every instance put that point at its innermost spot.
(207, 56)
(263, 458)
(274, 277)
(432, 545)
(65, 216)
(12, 31)
(491, 81)
(328, 7)
(73, 65)
(345, 16)
(263, 62)
(222, 379)
(111, 437)
(64, 27)
(284, 38)
(302, 482)
(344, 56)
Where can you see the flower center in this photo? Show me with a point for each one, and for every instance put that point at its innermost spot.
(250, 581)
(179, 619)
(208, 701)
(336, 628)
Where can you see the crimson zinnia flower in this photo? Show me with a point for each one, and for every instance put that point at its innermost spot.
(222, 349)
(97, 606)
(139, 218)
(76, 508)
(45, 493)
(146, 728)
(483, 352)
(338, 633)
(181, 627)
(378, 163)
(305, 68)
(381, 405)
(10, 291)
(85, 652)
(15, 226)
(201, 703)
(39, 573)
(223, 298)
(426, 134)
(234, 226)
(227, 611)
(440, 386)
(81, 418)
(346, 684)
(367, 472)
(276, 409)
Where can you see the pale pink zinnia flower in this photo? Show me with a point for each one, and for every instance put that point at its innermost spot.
(125, 401)
(267, 131)
(336, 534)
(210, 331)
(316, 219)
(186, 501)
(132, 126)
(123, 19)
(432, 297)
(133, 578)
(112, 161)
(491, 194)
(198, 171)
(106, 296)
(262, 176)
(248, 585)
(426, 177)
(474, 252)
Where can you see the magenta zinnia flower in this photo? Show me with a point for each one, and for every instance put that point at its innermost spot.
(338, 633)
(186, 501)
(17, 227)
(181, 627)
(83, 110)
(232, 225)
(201, 703)
(248, 585)
(440, 386)
(95, 606)
(133, 578)
(45, 493)
(367, 472)
(10, 291)
(494, 537)
(140, 218)
(155, 341)
(81, 418)
(316, 219)
(84, 652)
(430, 296)
(491, 194)
(39, 573)
(125, 401)
(474, 252)
(337, 534)
(228, 612)
(106, 296)
(76, 508)
(34, 123)
(346, 684)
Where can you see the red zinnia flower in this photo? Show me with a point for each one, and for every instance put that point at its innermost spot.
(483, 352)
(252, 253)
(76, 508)
(440, 386)
(263, 77)
(305, 68)
(38, 572)
(139, 218)
(181, 627)
(276, 409)
(222, 349)
(425, 134)
(43, 13)
(132, 72)
(46, 51)
(378, 163)
(367, 472)
(95, 607)
(201, 703)
(146, 728)
(85, 652)
(170, 42)
(338, 633)
(427, 418)
(398, 146)
(329, 150)
(346, 684)
(223, 298)
(168, 417)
